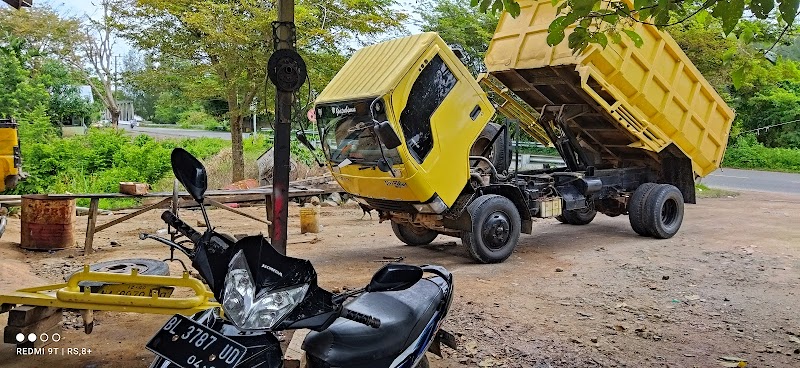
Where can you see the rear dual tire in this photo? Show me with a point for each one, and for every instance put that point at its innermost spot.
(656, 210)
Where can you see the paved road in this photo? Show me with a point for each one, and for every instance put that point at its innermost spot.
(764, 181)
(178, 133)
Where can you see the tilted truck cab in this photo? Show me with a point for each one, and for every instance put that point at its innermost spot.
(635, 127)
(433, 104)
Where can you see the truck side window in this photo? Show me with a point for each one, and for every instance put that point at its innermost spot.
(427, 93)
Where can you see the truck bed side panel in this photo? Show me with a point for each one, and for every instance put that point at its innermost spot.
(648, 97)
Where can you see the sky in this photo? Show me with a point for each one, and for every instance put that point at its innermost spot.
(83, 9)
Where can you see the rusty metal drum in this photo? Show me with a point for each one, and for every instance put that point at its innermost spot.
(47, 223)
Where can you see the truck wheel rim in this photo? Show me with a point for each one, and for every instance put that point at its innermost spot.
(669, 212)
(496, 230)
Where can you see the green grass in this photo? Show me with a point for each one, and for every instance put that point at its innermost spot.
(704, 191)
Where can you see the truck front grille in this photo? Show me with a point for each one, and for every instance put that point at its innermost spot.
(395, 206)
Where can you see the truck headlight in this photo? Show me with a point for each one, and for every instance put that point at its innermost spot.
(249, 311)
(435, 206)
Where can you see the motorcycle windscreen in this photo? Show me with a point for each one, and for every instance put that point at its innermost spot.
(274, 271)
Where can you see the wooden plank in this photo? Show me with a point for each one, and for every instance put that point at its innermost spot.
(210, 193)
(91, 222)
(37, 327)
(224, 207)
(27, 314)
(161, 204)
(294, 356)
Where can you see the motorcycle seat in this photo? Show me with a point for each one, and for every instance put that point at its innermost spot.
(403, 314)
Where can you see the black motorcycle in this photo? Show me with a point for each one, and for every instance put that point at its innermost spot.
(389, 323)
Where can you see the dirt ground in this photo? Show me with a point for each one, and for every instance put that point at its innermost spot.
(590, 296)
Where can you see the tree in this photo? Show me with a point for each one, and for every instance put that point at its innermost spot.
(227, 43)
(19, 93)
(96, 59)
(459, 24)
(598, 21)
(85, 47)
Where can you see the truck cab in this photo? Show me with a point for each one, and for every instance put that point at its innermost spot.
(430, 101)
(10, 158)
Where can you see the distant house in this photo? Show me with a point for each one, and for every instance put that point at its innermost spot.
(126, 113)
(76, 125)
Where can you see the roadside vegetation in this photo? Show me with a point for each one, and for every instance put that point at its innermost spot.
(39, 83)
(100, 160)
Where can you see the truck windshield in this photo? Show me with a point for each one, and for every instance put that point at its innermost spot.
(346, 132)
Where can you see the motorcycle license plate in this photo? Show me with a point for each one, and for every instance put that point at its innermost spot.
(192, 345)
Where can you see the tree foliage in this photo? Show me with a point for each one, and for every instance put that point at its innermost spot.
(220, 48)
(82, 47)
(602, 21)
(459, 24)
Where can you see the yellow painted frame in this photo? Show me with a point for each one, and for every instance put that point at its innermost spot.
(69, 295)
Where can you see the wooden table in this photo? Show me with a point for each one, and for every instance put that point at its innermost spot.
(168, 200)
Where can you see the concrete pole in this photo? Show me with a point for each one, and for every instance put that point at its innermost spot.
(283, 109)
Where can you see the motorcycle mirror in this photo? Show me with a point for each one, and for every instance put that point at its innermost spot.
(190, 172)
(386, 133)
(301, 137)
(393, 277)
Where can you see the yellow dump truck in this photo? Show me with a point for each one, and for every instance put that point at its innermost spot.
(10, 160)
(408, 131)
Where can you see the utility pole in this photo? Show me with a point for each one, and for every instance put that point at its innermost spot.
(285, 67)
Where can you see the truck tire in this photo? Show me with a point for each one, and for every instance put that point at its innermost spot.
(579, 217)
(495, 229)
(413, 235)
(636, 208)
(663, 211)
(500, 154)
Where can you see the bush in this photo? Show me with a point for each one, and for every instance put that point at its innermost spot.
(97, 162)
(748, 153)
(196, 118)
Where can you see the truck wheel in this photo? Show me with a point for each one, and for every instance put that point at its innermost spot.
(413, 235)
(495, 229)
(663, 212)
(636, 208)
(499, 154)
(579, 217)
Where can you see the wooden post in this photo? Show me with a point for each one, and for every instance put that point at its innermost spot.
(93, 204)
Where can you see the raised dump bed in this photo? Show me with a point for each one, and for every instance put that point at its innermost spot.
(649, 99)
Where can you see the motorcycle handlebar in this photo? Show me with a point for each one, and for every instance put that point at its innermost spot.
(361, 318)
(181, 226)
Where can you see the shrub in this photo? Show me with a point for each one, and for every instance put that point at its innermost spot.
(196, 118)
(748, 153)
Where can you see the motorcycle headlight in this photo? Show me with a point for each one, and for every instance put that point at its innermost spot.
(250, 311)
